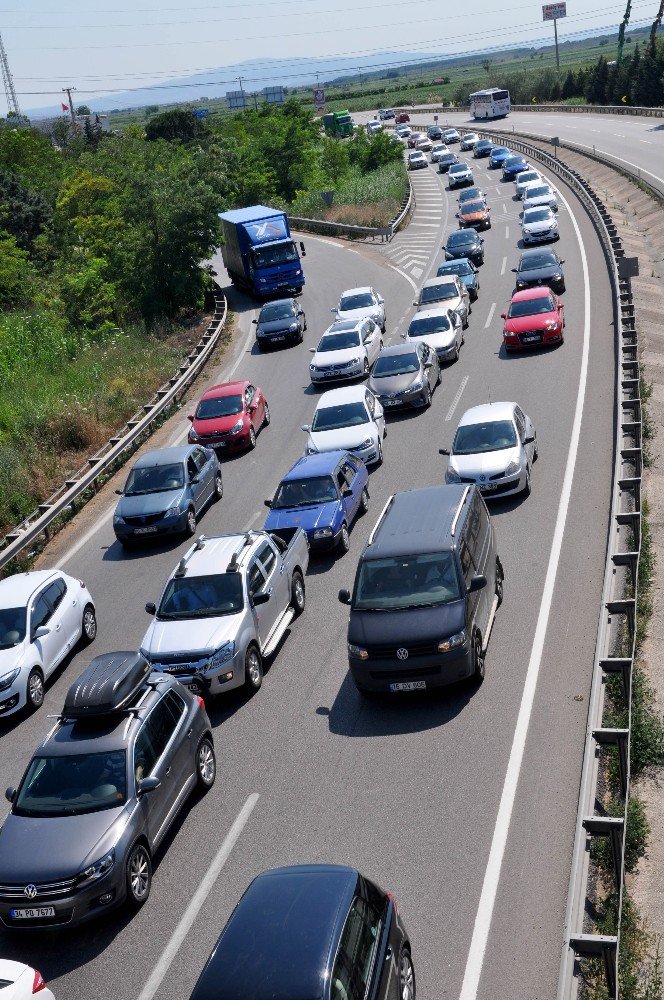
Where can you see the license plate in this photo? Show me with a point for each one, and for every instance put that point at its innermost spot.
(220, 444)
(535, 339)
(392, 402)
(487, 486)
(194, 686)
(147, 530)
(278, 338)
(408, 686)
(33, 913)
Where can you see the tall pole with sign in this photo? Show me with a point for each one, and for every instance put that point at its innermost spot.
(551, 12)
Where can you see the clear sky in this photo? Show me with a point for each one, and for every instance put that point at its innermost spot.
(97, 49)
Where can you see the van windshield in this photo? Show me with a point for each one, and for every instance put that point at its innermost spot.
(420, 581)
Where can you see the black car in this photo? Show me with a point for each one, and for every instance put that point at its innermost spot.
(482, 148)
(280, 321)
(540, 267)
(311, 931)
(465, 243)
(435, 132)
(464, 269)
(446, 161)
(513, 165)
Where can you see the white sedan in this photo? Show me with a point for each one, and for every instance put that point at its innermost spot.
(348, 419)
(440, 328)
(540, 194)
(43, 615)
(346, 350)
(417, 160)
(21, 982)
(356, 303)
(459, 173)
(451, 135)
(425, 144)
(524, 179)
(469, 139)
(438, 150)
(539, 225)
(494, 447)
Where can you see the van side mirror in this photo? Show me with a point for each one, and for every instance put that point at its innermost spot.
(10, 794)
(261, 598)
(344, 596)
(268, 503)
(151, 608)
(478, 582)
(150, 784)
(529, 440)
(302, 249)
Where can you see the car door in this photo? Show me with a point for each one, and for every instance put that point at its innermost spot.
(355, 474)
(430, 366)
(252, 404)
(152, 759)
(274, 569)
(370, 335)
(51, 647)
(477, 539)
(206, 464)
(71, 609)
(180, 751)
(375, 411)
(196, 483)
(520, 421)
(264, 614)
(354, 973)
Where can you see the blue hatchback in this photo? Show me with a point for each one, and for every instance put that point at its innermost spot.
(513, 165)
(322, 494)
(498, 154)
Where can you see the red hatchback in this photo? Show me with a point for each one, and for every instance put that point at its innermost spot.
(534, 319)
(414, 138)
(402, 117)
(229, 416)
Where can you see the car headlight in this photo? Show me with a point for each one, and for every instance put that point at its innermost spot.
(416, 386)
(262, 280)
(236, 428)
(355, 361)
(116, 520)
(452, 476)
(293, 327)
(313, 368)
(552, 324)
(97, 870)
(323, 533)
(513, 468)
(225, 653)
(357, 651)
(366, 444)
(556, 277)
(455, 640)
(193, 436)
(8, 679)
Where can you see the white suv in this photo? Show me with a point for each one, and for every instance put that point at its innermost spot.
(42, 617)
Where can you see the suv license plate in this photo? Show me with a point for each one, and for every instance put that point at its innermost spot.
(408, 686)
(146, 531)
(33, 913)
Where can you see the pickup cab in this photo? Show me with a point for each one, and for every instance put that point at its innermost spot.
(322, 494)
(226, 607)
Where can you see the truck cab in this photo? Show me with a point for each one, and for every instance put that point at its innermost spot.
(259, 253)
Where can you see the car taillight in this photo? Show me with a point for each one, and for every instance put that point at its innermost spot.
(393, 901)
(38, 983)
(200, 701)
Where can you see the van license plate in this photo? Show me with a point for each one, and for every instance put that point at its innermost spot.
(408, 686)
(33, 913)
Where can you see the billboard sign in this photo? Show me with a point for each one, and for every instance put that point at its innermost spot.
(236, 99)
(273, 95)
(319, 97)
(552, 11)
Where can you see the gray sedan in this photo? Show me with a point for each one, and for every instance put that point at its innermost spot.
(405, 375)
(166, 492)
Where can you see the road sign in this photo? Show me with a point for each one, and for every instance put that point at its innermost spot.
(201, 112)
(319, 97)
(435, 118)
(555, 140)
(236, 99)
(552, 11)
(273, 95)
(327, 197)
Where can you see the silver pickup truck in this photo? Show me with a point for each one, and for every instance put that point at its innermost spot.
(226, 607)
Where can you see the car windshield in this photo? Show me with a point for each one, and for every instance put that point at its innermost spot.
(12, 627)
(396, 364)
(221, 406)
(339, 341)
(154, 479)
(537, 191)
(201, 597)
(459, 267)
(470, 207)
(468, 135)
(438, 148)
(537, 215)
(500, 150)
(360, 300)
(494, 435)
(458, 168)
(537, 261)
(284, 253)
(513, 161)
(331, 418)
(73, 784)
(448, 158)
(276, 310)
(531, 307)
(436, 293)
(470, 194)
(304, 492)
(418, 581)
(527, 176)
(462, 236)
(429, 324)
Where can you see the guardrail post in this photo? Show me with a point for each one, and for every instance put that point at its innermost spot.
(612, 827)
(615, 738)
(619, 665)
(599, 946)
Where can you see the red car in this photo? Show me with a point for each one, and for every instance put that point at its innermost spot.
(229, 416)
(535, 318)
(402, 117)
(414, 138)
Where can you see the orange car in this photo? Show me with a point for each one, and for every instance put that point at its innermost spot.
(474, 214)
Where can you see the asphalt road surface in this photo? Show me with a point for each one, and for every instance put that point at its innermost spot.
(460, 803)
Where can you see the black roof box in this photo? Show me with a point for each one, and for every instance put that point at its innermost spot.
(108, 685)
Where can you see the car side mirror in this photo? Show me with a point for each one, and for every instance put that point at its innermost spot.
(151, 608)
(149, 784)
(344, 596)
(529, 440)
(415, 302)
(503, 315)
(514, 270)
(312, 350)
(303, 250)
(259, 599)
(10, 794)
(190, 416)
(255, 322)
(306, 427)
(40, 632)
(443, 451)
(562, 261)
(457, 214)
(120, 493)
(478, 582)
(333, 309)
(403, 335)
(267, 503)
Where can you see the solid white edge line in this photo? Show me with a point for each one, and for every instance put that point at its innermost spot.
(490, 316)
(457, 397)
(475, 960)
(406, 276)
(84, 539)
(179, 934)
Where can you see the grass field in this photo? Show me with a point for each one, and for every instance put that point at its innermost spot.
(370, 199)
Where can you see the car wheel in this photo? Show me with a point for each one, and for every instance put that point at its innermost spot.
(190, 527)
(138, 876)
(266, 416)
(206, 765)
(89, 625)
(500, 577)
(253, 670)
(298, 593)
(252, 438)
(218, 487)
(364, 501)
(344, 541)
(478, 660)
(34, 693)
(406, 976)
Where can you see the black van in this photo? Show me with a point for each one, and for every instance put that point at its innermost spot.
(426, 591)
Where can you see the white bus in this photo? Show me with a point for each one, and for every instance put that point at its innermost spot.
(493, 103)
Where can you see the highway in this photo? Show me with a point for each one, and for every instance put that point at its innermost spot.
(462, 803)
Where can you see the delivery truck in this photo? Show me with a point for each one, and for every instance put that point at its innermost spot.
(259, 252)
(338, 123)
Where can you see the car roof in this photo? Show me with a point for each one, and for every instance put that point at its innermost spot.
(16, 590)
(439, 310)
(542, 292)
(396, 349)
(224, 389)
(463, 236)
(163, 456)
(416, 521)
(345, 394)
(356, 291)
(279, 938)
(486, 412)
(455, 263)
(341, 325)
(440, 279)
(536, 251)
(277, 302)
(466, 206)
(320, 464)
(209, 556)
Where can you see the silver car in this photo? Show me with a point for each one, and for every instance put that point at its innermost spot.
(459, 173)
(405, 375)
(540, 195)
(441, 328)
(494, 447)
(447, 291)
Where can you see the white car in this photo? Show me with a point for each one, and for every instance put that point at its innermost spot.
(469, 139)
(494, 447)
(374, 126)
(459, 173)
(539, 225)
(403, 131)
(417, 160)
(348, 419)
(451, 135)
(425, 145)
(346, 350)
(43, 615)
(526, 177)
(540, 194)
(438, 150)
(21, 982)
(440, 328)
(356, 303)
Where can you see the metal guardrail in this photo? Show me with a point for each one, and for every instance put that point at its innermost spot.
(346, 231)
(38, 524)
(602, 109)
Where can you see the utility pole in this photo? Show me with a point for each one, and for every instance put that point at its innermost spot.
(244, 100)
(67, 91)
(621, 31)
(10, 93)
(555, 35)
(652, 44)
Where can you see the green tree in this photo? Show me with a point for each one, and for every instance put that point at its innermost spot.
(30, 156)
(16, 274)
(334, 159)
(178, 124)
(569, 86)
(23, 213)
(83, 109)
